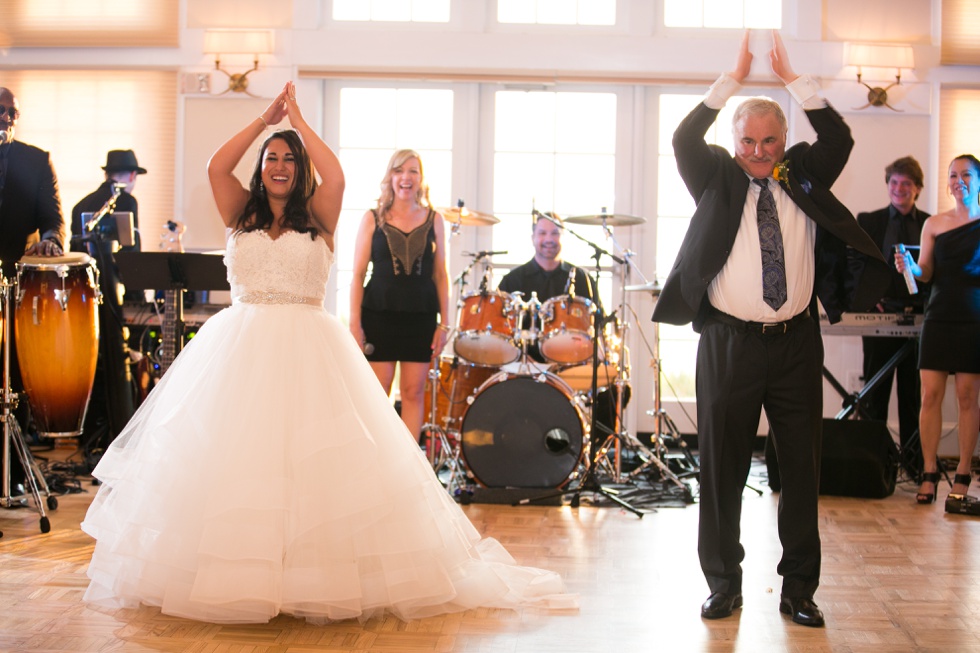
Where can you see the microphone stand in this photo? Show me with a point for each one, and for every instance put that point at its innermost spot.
(590, 482)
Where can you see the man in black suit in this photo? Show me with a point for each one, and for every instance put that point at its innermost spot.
(900, 222)
(760, 343)
(30, 207)
(30, 221)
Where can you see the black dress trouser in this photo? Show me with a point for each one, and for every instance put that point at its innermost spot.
(741, 372)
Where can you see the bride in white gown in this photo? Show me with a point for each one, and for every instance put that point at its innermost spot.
(267, 472)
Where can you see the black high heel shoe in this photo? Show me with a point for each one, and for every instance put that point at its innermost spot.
(962, 479)
(928, 497)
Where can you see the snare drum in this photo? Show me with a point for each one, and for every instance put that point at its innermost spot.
(523, 431)
(486, 324)
(566, 329)
(456, 385)
(57, 336)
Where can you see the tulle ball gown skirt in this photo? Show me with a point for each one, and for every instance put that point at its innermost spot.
(267, 473)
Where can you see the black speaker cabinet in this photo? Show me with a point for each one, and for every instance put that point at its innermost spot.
(859, 459)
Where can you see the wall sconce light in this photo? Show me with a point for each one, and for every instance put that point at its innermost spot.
(237, 41)
(879, 55)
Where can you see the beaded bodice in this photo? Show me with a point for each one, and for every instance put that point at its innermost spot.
(263, 270)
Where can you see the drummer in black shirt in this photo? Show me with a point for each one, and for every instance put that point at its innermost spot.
(546, 274)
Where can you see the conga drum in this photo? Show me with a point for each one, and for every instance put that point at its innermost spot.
(56, 327)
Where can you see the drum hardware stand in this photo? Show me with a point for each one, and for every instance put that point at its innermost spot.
(647, 456)
(436, 437)
(590, 482)
(664, 426)
(12, 435)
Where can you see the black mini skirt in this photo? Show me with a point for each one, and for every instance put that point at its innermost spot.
(399, 335)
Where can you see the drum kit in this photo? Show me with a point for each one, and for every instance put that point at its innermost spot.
(49, 313)
(498, 418)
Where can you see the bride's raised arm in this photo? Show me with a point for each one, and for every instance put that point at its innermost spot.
(229, 194)
(329, 194)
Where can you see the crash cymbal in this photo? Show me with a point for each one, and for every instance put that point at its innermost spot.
(652, 287)
(464, 216)
(611, 219)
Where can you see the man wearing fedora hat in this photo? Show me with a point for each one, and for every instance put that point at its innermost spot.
(112, 402)
(120, 167)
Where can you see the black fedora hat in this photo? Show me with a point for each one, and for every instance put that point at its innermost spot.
(122, 161)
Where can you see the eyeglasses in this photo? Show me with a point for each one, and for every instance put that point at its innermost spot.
(12, 112)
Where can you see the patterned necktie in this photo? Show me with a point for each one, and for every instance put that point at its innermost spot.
(771, 242)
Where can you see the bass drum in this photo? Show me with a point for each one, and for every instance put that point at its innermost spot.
(524, 432)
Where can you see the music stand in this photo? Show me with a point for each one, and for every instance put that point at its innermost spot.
(173, 271)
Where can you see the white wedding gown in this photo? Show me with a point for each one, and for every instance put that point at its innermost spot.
(267, 473)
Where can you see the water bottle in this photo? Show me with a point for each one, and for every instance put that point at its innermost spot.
(909, 277)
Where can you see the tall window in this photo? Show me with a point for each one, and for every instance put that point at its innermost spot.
(553, 151)
(418, 11)
(80, 115)
(735, 14)
(374, 122)
(958, 110)
(557, 12)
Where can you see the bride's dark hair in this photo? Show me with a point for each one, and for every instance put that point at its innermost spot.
(257, 213)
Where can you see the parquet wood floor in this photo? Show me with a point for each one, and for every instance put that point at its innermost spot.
(896, 577)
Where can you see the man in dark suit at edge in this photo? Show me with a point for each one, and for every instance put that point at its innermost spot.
(760, 344)
(31, 223)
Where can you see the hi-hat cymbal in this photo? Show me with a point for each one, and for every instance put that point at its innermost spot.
(652, 287)
(611, 219)
(463, 215)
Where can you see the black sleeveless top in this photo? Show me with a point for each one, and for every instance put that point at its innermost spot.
(401, 268)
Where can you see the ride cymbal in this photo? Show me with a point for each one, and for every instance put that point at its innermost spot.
(464, 216)
(610, 219)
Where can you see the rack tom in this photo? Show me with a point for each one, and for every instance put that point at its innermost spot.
(566, 329)
(56, 326)
(486, 324)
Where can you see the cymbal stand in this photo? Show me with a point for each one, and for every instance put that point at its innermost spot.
(590, 482)
(442, 454)
(12, 435)
(664, 427)
(647, 456)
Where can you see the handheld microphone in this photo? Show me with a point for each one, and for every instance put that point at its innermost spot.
(913, 287)
(3, 137)
(368, 349)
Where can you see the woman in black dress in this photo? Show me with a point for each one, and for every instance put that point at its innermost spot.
(401, 316)
(950, 341)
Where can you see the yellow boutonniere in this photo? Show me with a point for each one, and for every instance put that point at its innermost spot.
(781, 172)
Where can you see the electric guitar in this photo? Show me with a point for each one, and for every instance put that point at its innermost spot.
(171, 240)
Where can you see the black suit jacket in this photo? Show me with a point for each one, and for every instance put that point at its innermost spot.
(719, 187)
(31, 206)
(876, 224)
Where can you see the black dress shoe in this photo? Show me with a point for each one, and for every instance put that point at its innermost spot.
(720, 605)
(803, 610)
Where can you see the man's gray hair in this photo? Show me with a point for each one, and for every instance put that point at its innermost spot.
(760, 106)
